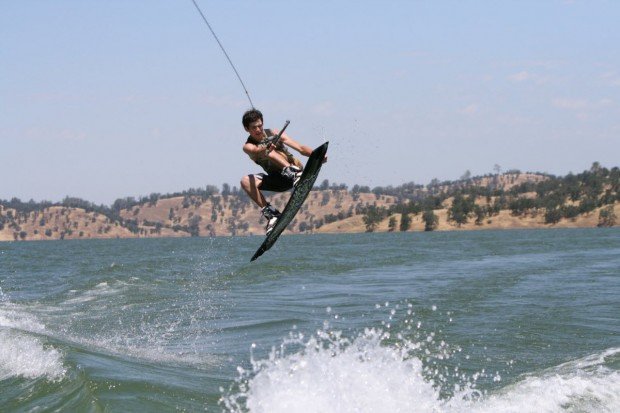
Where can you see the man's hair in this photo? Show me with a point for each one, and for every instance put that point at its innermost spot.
(251, 116)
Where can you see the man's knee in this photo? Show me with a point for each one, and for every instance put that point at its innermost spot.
(250, 181)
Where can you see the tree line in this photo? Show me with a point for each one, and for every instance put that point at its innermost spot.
(558, 197)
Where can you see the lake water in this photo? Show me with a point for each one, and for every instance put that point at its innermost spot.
(488, 321)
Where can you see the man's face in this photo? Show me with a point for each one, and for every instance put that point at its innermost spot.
(255, 129)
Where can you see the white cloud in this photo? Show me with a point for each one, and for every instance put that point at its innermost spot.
(581, 104)
(584, 109)
(611, 78)
(527, 76)
(521, 76)
(570, 104)
(53, 134)
(470, 109)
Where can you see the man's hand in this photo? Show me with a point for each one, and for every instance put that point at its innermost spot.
(266, 146)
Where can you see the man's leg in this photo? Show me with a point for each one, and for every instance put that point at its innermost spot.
(251, 185)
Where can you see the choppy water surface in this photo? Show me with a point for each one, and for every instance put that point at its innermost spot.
(522, 321)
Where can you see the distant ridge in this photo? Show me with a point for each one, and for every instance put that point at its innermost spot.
(495, 201)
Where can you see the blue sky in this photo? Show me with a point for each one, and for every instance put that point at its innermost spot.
(108, 99)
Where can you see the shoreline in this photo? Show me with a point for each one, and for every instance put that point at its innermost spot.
(354, 225)
(508, 201)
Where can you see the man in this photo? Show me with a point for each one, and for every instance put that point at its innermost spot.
(282, 169)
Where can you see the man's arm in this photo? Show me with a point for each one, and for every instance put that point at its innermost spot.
(293, 144)
(253, 150)
(260, 151)
(302, 149)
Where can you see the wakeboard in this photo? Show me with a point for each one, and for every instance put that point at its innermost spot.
(299, 195)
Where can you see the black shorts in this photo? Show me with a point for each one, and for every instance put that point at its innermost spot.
(274, 182)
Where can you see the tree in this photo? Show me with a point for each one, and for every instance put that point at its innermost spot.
(373, 217)
(153, 198)
(303, 226)
(466, 175)
(131, 225)
(193, 228)
(405, 222)
(329, 218)
(587, 204)
(392, 224)
(232, 226)
(326, 198)
(607, 217)
(521, 206)
(608, 198)
(480, 214)
(430, 220)
(570, 211)
(553, 216)
(460, 209)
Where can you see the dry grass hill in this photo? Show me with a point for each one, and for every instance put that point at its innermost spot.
(512, 200)
(58, 222)
(229, 215)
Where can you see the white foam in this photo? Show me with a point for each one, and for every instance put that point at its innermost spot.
(150, 341)
(99, 291)
(22, 355)
(14, 316)
(366, 375)
(26, 356)
(576, 392)
(152, 350)
(361, 376)
(583, 385)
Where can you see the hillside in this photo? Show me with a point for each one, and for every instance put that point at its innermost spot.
(57, 222)
(511, 200)
(236, 215)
